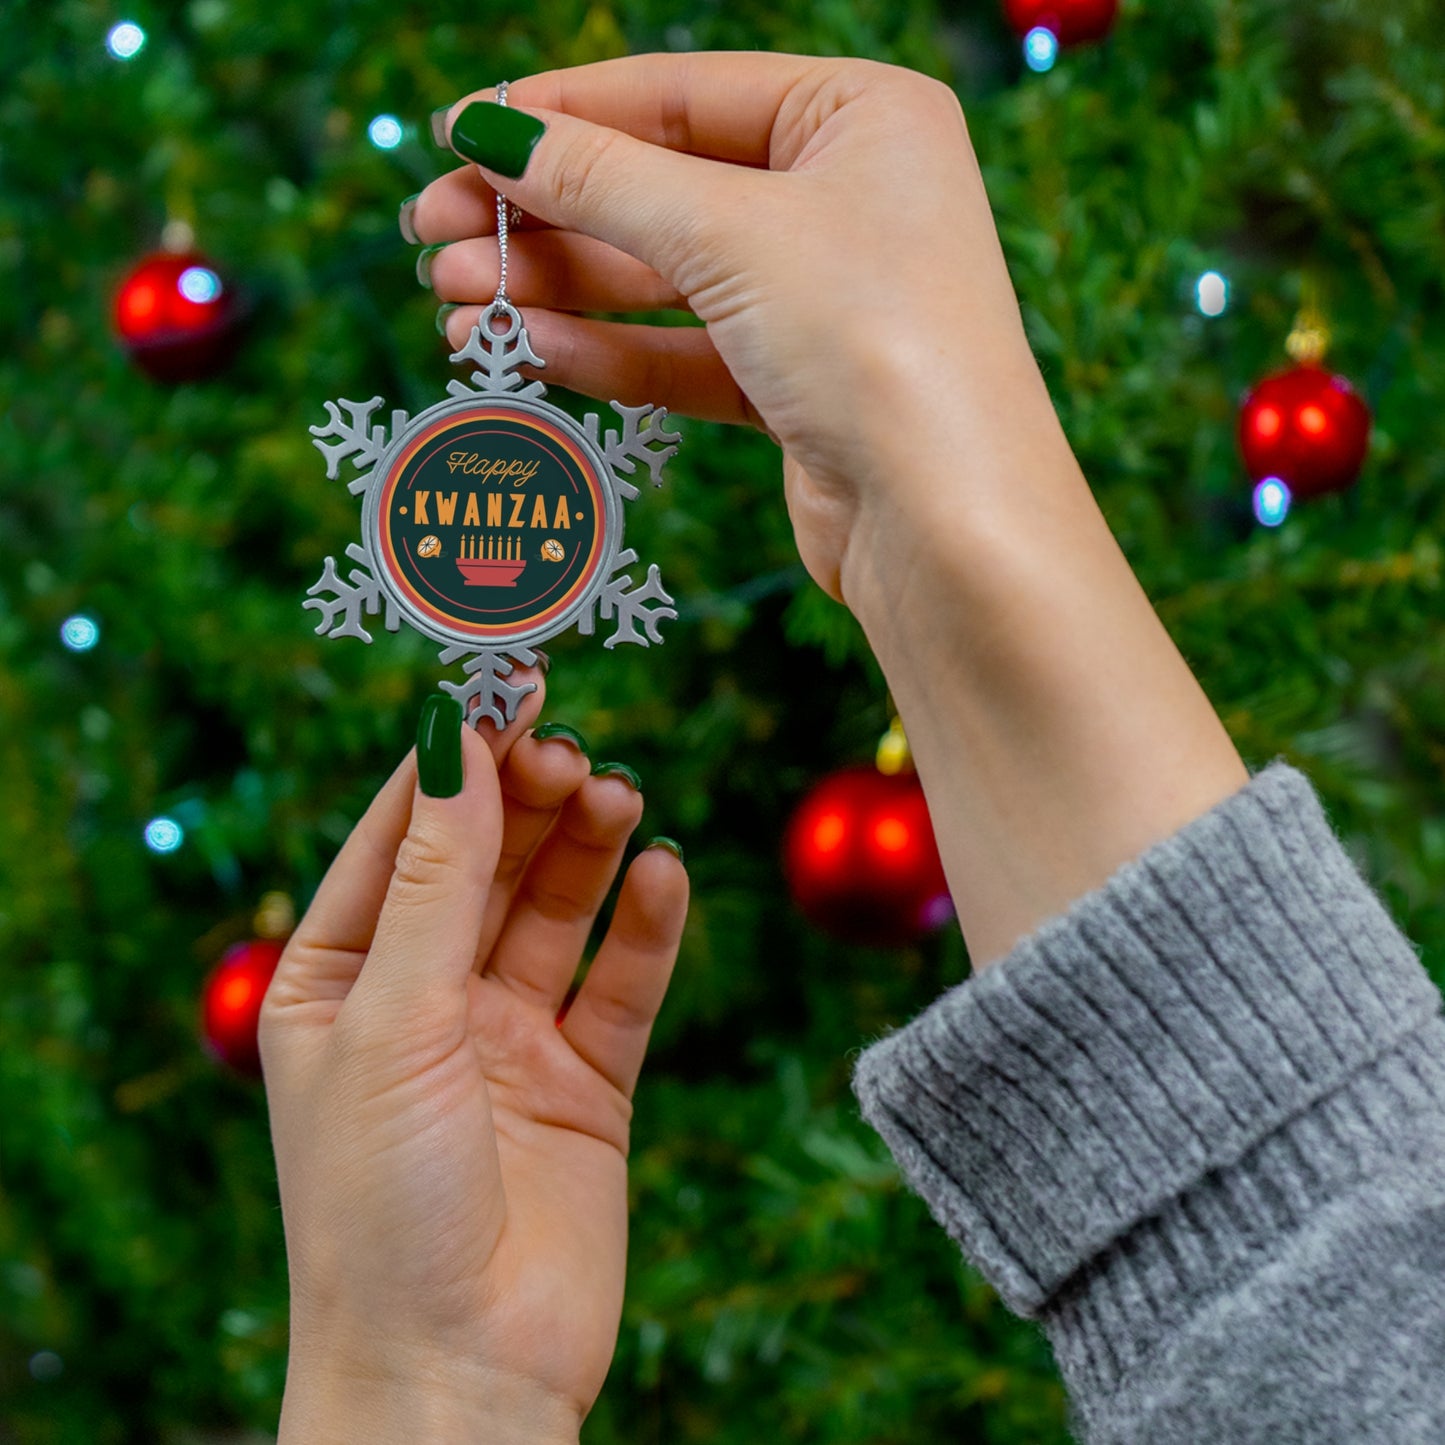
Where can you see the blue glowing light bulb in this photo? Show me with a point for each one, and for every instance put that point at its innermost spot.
(1271, 502)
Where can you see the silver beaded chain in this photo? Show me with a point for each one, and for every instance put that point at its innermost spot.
(501, 301)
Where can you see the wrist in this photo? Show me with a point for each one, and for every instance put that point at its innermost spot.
(954, 478)
(1057, 730)
(410, 1398)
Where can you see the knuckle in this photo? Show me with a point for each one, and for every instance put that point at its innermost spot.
(620, 1012)
(579, 169)
(424, 863)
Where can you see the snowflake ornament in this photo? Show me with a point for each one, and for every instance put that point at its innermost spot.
(492, 521)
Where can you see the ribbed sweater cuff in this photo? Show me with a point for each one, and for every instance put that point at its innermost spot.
(1214, 988)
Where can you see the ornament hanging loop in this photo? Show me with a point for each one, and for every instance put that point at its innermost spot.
(504, 311)
(507, 215)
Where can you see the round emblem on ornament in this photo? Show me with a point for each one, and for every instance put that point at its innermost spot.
(491, 485)
(493, 521)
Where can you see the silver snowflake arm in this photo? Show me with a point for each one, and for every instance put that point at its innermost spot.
(359, 440)
(341, 613)
(497, 355)
(630, 607)
(643, 438)
(486, 693)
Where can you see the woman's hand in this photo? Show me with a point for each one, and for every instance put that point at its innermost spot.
(825, 218)
(452, 1157)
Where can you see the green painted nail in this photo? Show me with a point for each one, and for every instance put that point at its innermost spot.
(439, 747)
(671, 844)
(443, 312)
(561, 730)
(617, 770)
(439, 125)
(405, 222)
(423, 263)
(496, 136)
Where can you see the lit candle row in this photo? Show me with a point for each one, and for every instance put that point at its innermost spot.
(491, 549)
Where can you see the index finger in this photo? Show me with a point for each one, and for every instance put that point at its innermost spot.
(724, 105)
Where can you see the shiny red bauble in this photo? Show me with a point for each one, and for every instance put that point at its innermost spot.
(231, 1003)
(176, 317)
(861, 861)
(1307, 427)
(1073, 22)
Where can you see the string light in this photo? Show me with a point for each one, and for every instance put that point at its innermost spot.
(199, 284)
(1041, 48)
(385, 132)
(164, 835)
(80, 633)
(1211, 294)
(126, 40)
(1271, 502)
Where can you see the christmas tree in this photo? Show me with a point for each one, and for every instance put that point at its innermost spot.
(178, 744)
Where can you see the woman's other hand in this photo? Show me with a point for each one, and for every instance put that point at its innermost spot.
(452, 1155)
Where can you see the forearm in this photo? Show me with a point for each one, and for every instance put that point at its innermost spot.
(1057, 730)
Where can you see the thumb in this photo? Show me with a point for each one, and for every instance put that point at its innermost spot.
(425, 942)
(653, 203)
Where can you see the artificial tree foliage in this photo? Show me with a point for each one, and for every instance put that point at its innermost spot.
(783, 1284)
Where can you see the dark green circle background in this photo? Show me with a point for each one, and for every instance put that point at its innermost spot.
(541, 583)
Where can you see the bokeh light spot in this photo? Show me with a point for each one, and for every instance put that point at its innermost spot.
(385, 132)
(80, 633)
(199, 284)
(164, 835)
(1211, 293)
(126, 40)
(1041, 48)
(1271, 502)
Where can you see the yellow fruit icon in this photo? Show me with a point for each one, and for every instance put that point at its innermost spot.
(429, 547)
(553, 550)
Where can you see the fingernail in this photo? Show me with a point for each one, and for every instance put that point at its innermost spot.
(496, 136)
(439, 125)
(561, 730)
(617, 770)
(423, 263)
(405, 222)
(439, 747)
(443, 312)
(543, 660)
(671, 844)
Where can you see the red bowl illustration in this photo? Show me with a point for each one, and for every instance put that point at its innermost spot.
(482, 573)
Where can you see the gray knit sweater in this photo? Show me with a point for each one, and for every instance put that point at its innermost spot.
(1196, 1127)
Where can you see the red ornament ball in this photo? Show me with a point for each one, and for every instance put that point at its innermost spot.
(1073, 22)
(861, 860)
(1307, 427)
(231, 1003)
(176, 317)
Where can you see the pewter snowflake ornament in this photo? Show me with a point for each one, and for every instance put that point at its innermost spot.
(492, 521)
